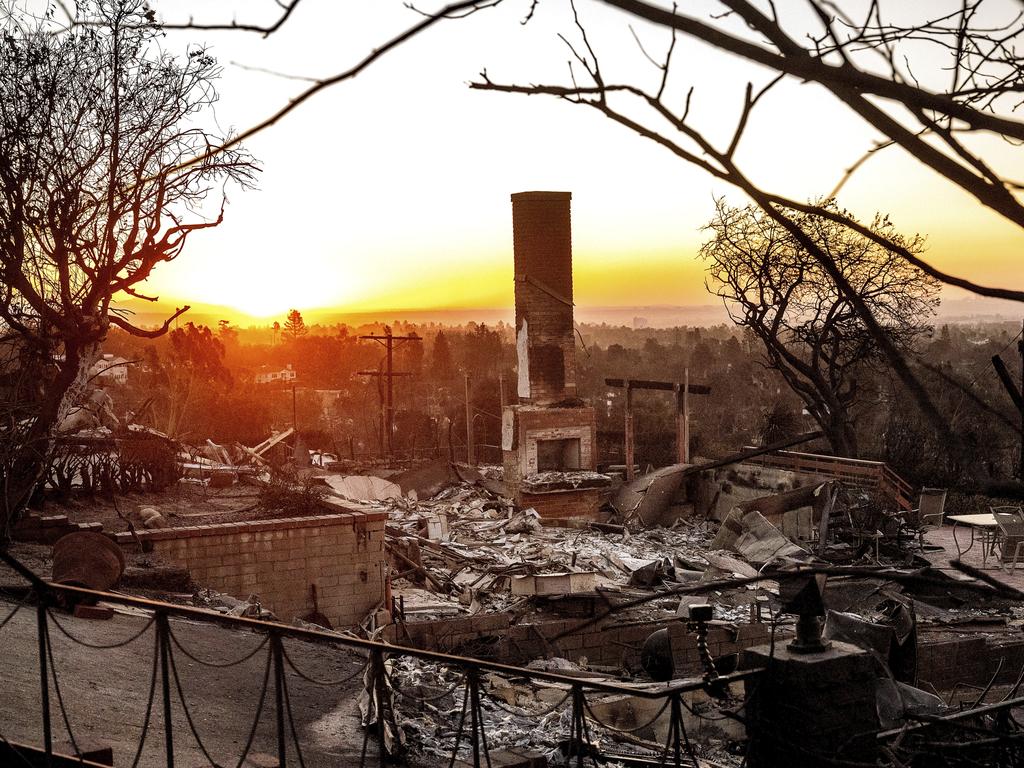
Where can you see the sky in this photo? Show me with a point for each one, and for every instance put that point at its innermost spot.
(391, 191)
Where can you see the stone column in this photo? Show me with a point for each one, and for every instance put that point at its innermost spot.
(806, 707)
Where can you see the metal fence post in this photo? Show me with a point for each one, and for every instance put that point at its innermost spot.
(44, 678)
(476, 718)
(278, 655)
(676, 729)
(380, 692)
(164, 635)
(577, 738)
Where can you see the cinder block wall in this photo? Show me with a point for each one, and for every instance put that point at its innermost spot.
(343, 555)
(607, 643)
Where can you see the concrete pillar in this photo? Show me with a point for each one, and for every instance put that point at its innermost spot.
(810, 708)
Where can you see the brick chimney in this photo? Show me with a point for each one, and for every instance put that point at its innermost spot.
(545, 344)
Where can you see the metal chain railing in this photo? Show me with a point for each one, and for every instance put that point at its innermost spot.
(470, 738)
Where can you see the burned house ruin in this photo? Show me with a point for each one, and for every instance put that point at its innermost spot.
(549, 438)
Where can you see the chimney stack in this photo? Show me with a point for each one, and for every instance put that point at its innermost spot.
(545, 343)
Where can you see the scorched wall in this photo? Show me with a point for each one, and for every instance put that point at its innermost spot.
(343, 555)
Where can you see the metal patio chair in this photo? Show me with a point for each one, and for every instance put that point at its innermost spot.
(1010, 520)
(928, 515)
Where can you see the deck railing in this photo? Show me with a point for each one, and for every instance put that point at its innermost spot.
(875, 475)
(469, 740)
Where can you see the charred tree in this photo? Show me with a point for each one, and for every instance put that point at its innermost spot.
(99, 128)
(811, 331)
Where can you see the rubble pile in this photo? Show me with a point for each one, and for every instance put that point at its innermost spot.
(475, 550)
(428, 701)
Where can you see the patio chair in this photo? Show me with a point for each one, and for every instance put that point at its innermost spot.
(928, 516)
(1010, 520)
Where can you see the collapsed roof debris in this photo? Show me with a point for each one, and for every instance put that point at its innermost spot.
(476, 570)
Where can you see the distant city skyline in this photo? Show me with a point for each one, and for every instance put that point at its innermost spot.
(392, 190)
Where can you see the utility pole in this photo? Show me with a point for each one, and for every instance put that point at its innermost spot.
(295, 411)
(389, 374)
(629, 432)
(501, 390)
(470, 449)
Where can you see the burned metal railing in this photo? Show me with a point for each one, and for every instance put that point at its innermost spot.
(470, 735)
(987, 735)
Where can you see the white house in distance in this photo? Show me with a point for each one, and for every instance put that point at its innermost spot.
(110, 369)
(276, 377)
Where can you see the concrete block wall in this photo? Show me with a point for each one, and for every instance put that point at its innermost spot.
(342, 554)
(48, 529)
(970, 660)
(606, 644)
(722, 641)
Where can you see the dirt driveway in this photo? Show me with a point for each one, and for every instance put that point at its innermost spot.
(106, 691)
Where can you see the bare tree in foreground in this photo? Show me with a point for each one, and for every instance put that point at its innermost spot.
(929, 80)
(95, 122)
(934, 127)
(810, 330)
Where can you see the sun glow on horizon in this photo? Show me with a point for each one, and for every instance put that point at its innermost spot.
(360, 209)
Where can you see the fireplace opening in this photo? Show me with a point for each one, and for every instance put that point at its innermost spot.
(558, 455)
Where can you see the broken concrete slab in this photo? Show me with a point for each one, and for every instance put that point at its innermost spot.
(757, 540)
(555, 583)
(94, 612)
(363, 487)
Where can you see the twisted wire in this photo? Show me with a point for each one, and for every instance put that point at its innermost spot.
(505, 708)
(184, 705)
(214, 664)
(259, 710)
(314, 681)
(99, 646)
(711, 719)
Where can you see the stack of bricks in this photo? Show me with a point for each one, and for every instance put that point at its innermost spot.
(542, 247)
(584, 503)
(279, 560)
(40, 529)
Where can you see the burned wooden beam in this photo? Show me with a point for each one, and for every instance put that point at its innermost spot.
(665, 386)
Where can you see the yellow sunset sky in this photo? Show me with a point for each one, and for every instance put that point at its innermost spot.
(391, 191)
